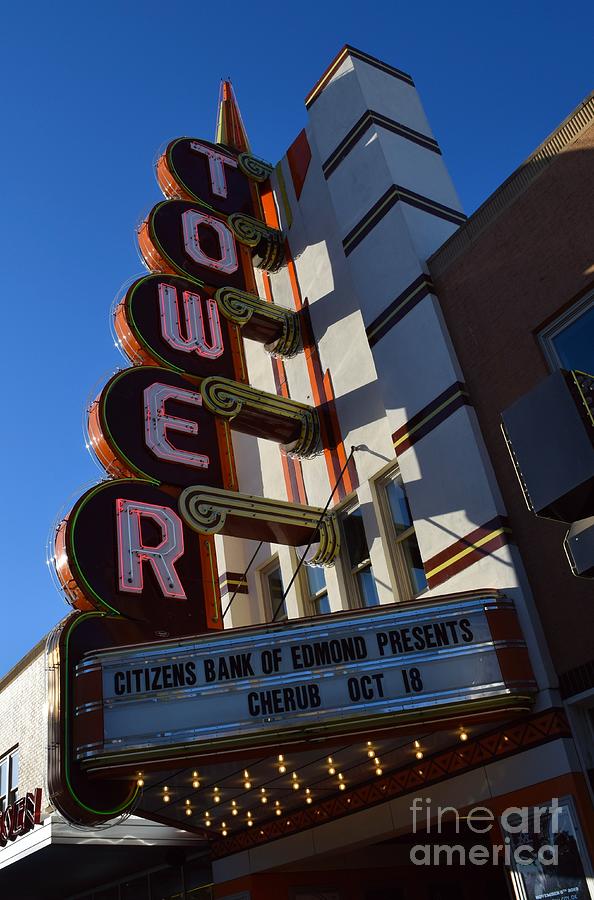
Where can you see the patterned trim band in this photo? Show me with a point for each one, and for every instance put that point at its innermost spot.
(233, 582)
(431, 416)
(396, 193)
(370, 117)
(470, 549)
(501, 743)
(398, 308)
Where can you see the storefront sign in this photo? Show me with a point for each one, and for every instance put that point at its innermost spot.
(343, 674)
(20, 817)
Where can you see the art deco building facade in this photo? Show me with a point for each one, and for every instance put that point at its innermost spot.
(420, 328)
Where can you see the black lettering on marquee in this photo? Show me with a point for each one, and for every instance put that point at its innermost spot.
(155, 678)
(282, 700)
(430, 636)
(223, 668)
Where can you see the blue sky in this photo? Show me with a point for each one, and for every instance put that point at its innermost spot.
(91, 91)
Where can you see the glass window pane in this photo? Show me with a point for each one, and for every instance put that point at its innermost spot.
(399, 507)
(414, 563)
(316, 579)
(14, 771)
(367, 588)
(322, 605)
(4, 778)
(356, 541)
(274, 581)
(575, 344)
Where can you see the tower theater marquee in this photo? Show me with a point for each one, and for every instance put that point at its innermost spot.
(141, 672)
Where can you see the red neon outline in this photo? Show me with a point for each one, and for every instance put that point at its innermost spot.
(189, 239)
(213, 157)
(148, 557)
(177, 456)
(193, 343)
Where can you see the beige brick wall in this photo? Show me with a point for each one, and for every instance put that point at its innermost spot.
(23, 719)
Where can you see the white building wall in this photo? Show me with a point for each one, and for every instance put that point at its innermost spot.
(23, 720)
(349, 284)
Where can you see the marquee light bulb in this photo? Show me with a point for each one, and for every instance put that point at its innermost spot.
(224, 832)
(371, 753)
(188, 811)
(140, 780)
(195, 783)
(342, 786)
(463, 735)
(419, 754)
(166, 798)
(247, 783)
(379, 770)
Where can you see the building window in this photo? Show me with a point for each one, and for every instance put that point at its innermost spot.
(358, 558)
(403, 548)
(9, 779)
(271, 581)
(316, 590)
(568, 343)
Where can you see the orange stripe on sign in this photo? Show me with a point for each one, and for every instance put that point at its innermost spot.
(322, 392)
(292, 470)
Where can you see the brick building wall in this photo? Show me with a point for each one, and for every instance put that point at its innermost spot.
(23, 719)
(507, 273)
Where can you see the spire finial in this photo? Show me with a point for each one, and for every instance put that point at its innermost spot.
(230, 128)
